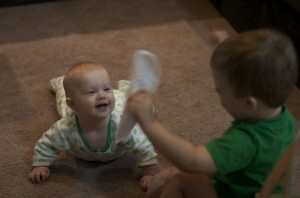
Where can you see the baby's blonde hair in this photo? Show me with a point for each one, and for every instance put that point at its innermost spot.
(79, 69)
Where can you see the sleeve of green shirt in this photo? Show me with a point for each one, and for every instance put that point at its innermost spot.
(232, 152)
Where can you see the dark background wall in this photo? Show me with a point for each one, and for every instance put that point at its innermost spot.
(283, 15)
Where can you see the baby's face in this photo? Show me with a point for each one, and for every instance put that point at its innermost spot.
(92, 94)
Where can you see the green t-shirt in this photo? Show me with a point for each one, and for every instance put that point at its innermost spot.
(247, 152)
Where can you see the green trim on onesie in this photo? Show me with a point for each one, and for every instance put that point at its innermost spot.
(91, 148)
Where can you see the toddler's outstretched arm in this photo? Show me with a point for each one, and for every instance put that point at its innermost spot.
(181, 153)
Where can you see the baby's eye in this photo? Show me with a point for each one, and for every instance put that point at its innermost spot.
(91, 92)
(107, 89)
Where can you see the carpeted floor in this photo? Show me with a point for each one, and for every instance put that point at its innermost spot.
(41, 41)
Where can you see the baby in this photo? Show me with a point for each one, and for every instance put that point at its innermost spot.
(90, 112)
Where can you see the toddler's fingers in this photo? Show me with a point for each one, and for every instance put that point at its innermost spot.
(137, 95)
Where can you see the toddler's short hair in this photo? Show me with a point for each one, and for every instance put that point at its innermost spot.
(259, 63)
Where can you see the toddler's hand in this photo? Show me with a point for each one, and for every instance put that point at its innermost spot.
(145, 181)
(39, 174)
(141, 105)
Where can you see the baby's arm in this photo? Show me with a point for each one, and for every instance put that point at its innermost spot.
(146, 158)
(39, 174)
(46, 152)
(181, 153)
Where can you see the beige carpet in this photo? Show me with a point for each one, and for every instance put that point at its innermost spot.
(41, 41)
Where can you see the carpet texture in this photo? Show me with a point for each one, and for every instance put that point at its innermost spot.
(41, 41)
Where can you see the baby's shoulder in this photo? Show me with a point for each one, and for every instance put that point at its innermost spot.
(120, 97)
(65, 124)
(120, 101)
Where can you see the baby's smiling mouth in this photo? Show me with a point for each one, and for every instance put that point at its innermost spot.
(101, 105)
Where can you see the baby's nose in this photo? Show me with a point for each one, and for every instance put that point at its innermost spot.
(100, 95)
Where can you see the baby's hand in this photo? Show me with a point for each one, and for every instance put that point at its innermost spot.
(39, 174)
(145, 181)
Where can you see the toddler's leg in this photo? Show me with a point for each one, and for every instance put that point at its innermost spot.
(188, 185)
(56, 86)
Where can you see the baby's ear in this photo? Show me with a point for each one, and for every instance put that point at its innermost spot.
(251, 103)
(70, 103)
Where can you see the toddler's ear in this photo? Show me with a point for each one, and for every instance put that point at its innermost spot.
(70, 103)
(251, 103)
